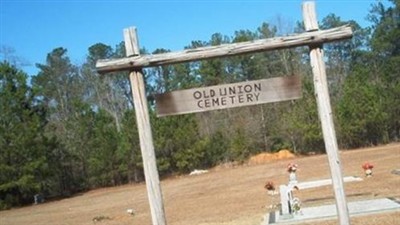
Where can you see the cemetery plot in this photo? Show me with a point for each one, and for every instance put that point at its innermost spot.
(226, 195)
(329, 211)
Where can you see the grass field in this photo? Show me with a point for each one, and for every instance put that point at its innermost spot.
(226, 195)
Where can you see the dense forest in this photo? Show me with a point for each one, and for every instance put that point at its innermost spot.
(68, 129)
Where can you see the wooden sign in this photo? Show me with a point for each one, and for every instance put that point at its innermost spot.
(228, 96)
(232, 95)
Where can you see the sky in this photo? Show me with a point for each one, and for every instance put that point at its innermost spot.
(33, 28)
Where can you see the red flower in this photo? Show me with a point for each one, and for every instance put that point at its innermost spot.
(292, 167)
(269, 186)
(367, 166)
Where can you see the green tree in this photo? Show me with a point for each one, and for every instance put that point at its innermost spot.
(103, 162)
(373, 117)
(59, 86)
(363, 119)
(110, 92)
(130, 153)
(342, 55)
(385, 39)
(213, 71)
(178, 144)
(25, 150)
(385, 44)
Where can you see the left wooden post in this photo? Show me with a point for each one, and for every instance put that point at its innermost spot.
(145, 135)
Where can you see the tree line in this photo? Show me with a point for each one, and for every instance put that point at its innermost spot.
(70, 129)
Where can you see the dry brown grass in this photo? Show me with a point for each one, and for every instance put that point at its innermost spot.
(233, 195)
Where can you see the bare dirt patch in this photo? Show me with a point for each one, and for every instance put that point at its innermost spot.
(269, 157)
(225, 195)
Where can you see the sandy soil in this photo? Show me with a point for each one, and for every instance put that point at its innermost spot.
(226, 195)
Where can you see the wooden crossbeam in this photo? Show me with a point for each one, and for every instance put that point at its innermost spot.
(269, 44)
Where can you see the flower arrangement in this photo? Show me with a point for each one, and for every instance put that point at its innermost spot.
(292, 167)
(367, 168)
(296, 206)
(269, 186)
(271, 190)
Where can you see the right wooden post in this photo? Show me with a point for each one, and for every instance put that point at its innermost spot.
(325, 114)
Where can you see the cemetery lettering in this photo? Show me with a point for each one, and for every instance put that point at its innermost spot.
(225, 96)
(228, 95)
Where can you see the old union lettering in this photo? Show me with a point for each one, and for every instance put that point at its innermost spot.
(228, 95)
(231, 95)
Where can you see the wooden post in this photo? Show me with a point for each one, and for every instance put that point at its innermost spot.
(325, 114)
(145, 134)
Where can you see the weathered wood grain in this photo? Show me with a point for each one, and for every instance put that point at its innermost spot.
(228, 96)
(325, 114)
(145, 135)
(309, 38)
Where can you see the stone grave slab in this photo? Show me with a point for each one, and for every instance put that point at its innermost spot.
(329, 211)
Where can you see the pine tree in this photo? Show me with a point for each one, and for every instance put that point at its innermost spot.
(25, 159)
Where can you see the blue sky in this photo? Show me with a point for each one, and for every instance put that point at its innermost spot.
(35, 27)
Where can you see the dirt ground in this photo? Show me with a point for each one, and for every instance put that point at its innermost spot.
(233, 195)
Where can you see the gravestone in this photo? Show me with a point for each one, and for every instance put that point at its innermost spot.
(38, 198)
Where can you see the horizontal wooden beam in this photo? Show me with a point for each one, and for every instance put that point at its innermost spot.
(295, 40)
